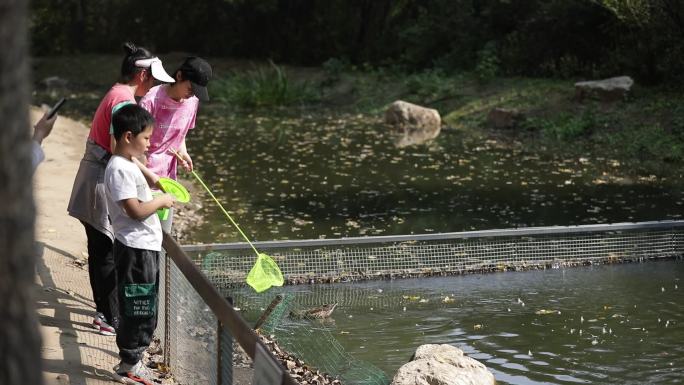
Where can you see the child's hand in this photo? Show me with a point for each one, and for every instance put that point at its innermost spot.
(166, 200)
(186, 161)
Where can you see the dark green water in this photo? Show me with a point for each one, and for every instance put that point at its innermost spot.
(312, 175)
(617, 324)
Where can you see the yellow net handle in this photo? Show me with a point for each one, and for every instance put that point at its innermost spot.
(174, 152)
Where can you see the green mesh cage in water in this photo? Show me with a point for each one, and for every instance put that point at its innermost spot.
(313, 343)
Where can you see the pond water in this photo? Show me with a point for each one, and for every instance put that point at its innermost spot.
(617, 324)
(312, 175)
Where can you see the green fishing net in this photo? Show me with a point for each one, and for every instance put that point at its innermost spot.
(264, 274)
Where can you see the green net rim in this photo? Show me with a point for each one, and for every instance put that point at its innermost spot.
(176, 189)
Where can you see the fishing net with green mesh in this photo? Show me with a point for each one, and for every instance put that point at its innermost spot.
(311, 341)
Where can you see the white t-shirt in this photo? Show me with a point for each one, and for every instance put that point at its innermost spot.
(37, 154)
(124, 180)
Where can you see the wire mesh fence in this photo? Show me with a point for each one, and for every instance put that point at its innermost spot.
(198, 356)
(311, 341)
(443, 254)
(188, 330)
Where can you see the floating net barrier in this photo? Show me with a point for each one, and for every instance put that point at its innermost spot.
(388, 257)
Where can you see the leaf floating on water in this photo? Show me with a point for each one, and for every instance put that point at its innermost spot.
(545, 311)
(411, 297)
(423, 300)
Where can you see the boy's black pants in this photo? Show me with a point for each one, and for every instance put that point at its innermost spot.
(102, 274)
(137, 273)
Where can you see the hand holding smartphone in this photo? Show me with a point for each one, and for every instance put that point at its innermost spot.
(55, 108)
(45, 124)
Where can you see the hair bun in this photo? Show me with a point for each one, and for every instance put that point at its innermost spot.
(129, 47)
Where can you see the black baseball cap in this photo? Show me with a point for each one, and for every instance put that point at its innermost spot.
(198, 71)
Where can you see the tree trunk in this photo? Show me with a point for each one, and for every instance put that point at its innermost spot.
(19, 338)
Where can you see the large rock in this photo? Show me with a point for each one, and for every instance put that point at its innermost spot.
(504, 118)
(54, 85)
(414, 123)
(607, 90)
(442, 365)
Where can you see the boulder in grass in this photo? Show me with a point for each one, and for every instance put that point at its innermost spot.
(53, 82)
(414, 123)
(443, 365)
(54, 85)
(607, 90)
(505, 118)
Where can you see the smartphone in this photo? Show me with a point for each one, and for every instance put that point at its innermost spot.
(55, 108)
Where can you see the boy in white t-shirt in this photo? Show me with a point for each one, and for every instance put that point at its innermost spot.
(137, 243)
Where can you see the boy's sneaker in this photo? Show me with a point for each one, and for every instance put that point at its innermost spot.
(101, 324)
(97, 321)
(133, 374)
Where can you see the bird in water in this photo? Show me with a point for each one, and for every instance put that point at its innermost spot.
(319, 312)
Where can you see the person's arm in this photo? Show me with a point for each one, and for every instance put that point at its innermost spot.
(136, 209)
(41, 131)
(43, 128)
(151, 178)
(185, 159)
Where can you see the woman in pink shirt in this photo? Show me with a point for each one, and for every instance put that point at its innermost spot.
(88, 201)
(174, 108)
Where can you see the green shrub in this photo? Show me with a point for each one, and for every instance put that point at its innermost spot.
(427, 85)
(333, 68)
(564, 126)
(487, 63)
(264, 86)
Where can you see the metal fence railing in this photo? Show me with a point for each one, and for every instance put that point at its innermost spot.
(199, 326)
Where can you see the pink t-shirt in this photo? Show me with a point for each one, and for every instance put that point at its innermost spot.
(102, 121)
(173, 120)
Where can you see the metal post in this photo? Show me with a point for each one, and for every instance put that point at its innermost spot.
(167, 310)
(219, 352)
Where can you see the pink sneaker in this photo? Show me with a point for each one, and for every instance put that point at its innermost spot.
(101, 324)
(97, 320)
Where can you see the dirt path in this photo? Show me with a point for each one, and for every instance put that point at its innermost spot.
(73, 353)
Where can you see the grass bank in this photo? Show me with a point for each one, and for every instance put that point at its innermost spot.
(647, 129)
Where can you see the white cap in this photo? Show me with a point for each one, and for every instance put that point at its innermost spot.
(157, 68)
